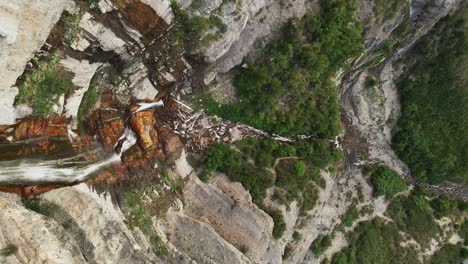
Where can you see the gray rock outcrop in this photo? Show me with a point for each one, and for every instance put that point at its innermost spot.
(24, 27)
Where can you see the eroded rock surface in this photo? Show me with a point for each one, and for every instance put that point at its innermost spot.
(24, 27)
(99, 225)
(34, 238)
(228, 208)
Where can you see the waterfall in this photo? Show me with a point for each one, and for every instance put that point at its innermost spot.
(71, 169)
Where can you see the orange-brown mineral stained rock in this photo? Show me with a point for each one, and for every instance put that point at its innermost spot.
(35, 127)
(142, 17)
(142, 123)
(26, 191)
(107, 122)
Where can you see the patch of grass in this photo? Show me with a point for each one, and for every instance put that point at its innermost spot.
(43, 86)
(387, 9)
(216, 22)
(138, 214)
(89, 100)
(42, 207)
(71, 25)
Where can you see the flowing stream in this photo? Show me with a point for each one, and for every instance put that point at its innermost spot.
(33, 171)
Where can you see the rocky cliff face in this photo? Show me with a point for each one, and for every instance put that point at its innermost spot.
(111, 61)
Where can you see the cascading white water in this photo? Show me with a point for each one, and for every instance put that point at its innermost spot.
(66, 170)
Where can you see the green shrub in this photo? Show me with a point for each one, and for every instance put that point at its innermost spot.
(351, 215)
(299, 168)
(296, 236)
(386, 181)
(220, 157)
(370, 81)
(321, 244)
(443, 206)
(42, 87)
(279, 224)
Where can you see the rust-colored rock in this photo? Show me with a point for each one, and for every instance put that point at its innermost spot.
(142, 17)
(26, 191)
(35, 127)
(108, 122)
(142, 123)
(50, 136)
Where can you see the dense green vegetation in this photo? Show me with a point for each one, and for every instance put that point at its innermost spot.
(416, 214)
(221, 157)
(279, 224)
(450, 254)
(385, 181)
(432, 135)
(413, 215)
(375, 242)
(43, 86)
(291, 90)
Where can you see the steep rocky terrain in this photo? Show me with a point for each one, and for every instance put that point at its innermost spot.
(117, 88)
